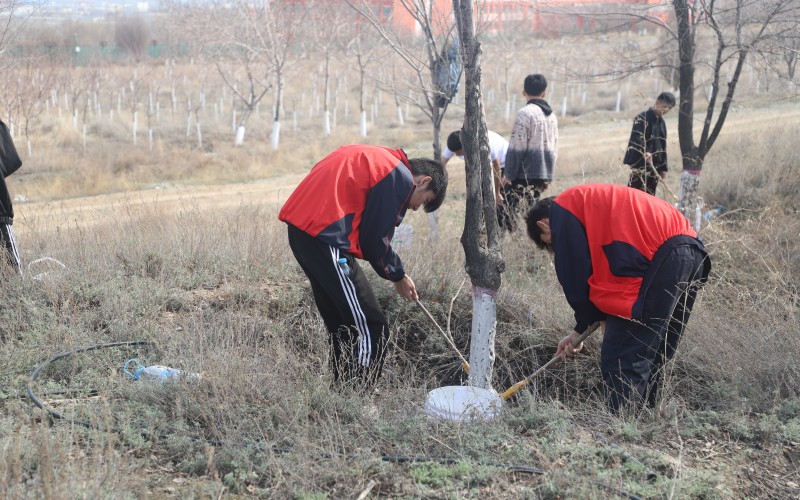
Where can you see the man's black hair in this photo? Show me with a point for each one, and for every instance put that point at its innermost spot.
(454, 141)
(438, 175)
(667, 98)
(535, 84)
(540, 210)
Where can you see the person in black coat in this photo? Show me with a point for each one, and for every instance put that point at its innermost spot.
(646, 154)
(9, 163)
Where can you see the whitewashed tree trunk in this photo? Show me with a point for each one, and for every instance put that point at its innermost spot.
(84, 137)
(326, 126)
(400, 120)
(433, 225)
(276, 134)
(199, 134)
(481, 237)
(135, 126)
(239, 135)
(150, 139)
(481, 350)
(30, 148)
(363, 124)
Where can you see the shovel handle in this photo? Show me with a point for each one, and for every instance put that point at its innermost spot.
(662, 181)
(527, 380)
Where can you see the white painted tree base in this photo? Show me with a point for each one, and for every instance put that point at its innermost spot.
(363, 124)
(481, 351)
(276, 134)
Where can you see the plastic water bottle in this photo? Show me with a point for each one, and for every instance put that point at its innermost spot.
(345, 267)
(714, 213)
(157, 373)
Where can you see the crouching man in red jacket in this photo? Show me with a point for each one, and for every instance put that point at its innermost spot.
(347, 208)
(633, 261)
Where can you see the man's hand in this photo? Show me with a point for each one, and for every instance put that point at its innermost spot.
(505, 181)
(498, 198)
(565, 346)
(663, 174)
(406, 289)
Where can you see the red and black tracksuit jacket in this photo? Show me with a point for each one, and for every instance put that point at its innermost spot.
(609, 242)
(348, 207)
(352, 200)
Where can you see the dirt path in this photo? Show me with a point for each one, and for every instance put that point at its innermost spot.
(606, 138)
(93, 210)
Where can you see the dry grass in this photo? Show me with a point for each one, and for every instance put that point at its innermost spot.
(219, 293)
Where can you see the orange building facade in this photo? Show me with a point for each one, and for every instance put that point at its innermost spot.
(539, 17)
(545, 17)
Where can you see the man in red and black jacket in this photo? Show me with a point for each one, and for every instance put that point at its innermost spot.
(347, 207)
(631, 260)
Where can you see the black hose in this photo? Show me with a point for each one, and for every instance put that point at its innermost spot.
(38, 371)
(400, 459)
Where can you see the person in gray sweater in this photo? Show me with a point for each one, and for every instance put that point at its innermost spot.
(532, 152)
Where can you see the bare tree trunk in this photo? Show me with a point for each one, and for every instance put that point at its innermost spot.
(276, 124)
(326, 127)
(436, 121)
(481, 238)
(690, 155)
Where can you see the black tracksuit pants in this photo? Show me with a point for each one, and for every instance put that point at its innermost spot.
(517, 198)
(634, 351)
(644, 180)
(355, 322)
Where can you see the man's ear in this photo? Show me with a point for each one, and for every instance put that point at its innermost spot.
(423, 181)
(544, 224)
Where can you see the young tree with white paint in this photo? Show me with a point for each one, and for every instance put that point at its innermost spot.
(713, 41)
(481, 236)
(366, 49)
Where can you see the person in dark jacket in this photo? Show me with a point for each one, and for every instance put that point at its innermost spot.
(9, 163)
(646, 154)
(347, 208)
(633, 261)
